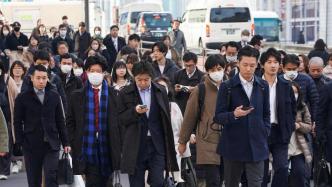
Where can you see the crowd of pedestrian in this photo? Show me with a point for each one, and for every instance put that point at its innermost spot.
(113, 109)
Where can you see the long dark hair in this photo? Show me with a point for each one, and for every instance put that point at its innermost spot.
(117, 65)
(300, 102)
(19, 63)
(169, 86)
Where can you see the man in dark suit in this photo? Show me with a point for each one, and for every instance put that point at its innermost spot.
(114, 44)
(40, 128)
(148, 142)
(82, 39)
(91, 122)
(243, 109)
(283, 112)
(63, 36)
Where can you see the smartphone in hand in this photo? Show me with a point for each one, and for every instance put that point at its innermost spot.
(143, 106)
(247, 107)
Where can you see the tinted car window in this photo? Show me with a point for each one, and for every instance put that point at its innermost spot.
(134, 17)
(157, 20)
(227, 15)
(123, 18)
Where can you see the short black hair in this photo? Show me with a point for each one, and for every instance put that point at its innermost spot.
(169, 86)
(134, 37)
(271, 52)
(232, 44)
(62, 26)
(114, 26)
(65, 56)
(161, 46)
(213, 61)
(320, 45)
(62, 43)
(256, 40)
(43, 45)
(132, 59)
(117, 65)
(95, 60)
(165, 37)
(126, 50)
(291, 59)
(79, 62)
(143, 67)
(64, 17)
(41, 55)
(190, 56)
(248, 51)
(39, 67)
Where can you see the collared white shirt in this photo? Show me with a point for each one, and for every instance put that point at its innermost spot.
(273, 101)
(161, 68)
(115, 43)
(191, 74)
(145, 95)
(247, 85)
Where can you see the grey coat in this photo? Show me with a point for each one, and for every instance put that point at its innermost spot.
(178, 42)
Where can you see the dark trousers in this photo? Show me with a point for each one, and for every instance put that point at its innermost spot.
(234, 169)
(93, 178)
(298, 173)
(213, 176)
(148, 159)
(38, 159)
(280, 166)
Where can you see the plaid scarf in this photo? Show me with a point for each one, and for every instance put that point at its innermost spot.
(95, 151)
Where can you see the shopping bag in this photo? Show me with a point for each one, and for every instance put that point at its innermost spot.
(188, 173)
(65, 171)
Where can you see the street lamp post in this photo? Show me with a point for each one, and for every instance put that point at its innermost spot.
(86, 16)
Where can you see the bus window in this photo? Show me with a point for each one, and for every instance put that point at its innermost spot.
(134, 17)
(227, 15)
(123, 18)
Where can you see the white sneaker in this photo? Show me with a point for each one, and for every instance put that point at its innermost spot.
(19, 164)
(3, 177)
(15, 169)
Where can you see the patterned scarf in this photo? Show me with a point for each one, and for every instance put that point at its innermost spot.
(95, 151)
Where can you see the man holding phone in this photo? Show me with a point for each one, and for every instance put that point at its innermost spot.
(148, 142)
(244, 111)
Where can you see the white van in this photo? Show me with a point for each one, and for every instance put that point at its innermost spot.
(209, 23)
(129, 14)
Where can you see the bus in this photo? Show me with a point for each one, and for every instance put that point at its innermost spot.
(209, 23)
(267, 24)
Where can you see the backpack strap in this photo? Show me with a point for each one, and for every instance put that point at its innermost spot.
(201, 98)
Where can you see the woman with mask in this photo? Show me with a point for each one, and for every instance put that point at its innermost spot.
(176, 120)
(97, 34)
(299, 149)
(4, 32)
(98, 48)
(199, 117)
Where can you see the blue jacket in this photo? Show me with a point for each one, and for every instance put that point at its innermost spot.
(309, 92)
(324, 119)
(245, 138)
(286, 113)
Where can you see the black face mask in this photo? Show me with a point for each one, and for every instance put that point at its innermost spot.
(16, 29)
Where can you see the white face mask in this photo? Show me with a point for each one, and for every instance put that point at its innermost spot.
(66, 68)
(5, 33)
(291, 74)
(245, 38)
(231, 58)
(78, 72)
(217, 76)
(95, 78)
(296, 96)
(46, 66)
(63, 33)
(97, 32)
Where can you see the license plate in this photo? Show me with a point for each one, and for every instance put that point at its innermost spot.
(230, 31)
(158, 34)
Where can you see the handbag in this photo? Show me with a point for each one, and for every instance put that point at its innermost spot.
(169, 180)
(323, 175)
(188, 173)
(65, 171)
(116, 179)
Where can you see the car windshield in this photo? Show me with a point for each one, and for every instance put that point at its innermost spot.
(227, 15)
(157, 20)
(134, 17)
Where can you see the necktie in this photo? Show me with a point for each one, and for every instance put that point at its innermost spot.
(40, 95)
(96, 109)
(115, 45)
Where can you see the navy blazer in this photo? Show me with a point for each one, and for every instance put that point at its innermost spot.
(33, 120)
(286, 113)
(324, 118)
(246, 138)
